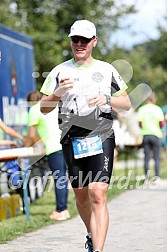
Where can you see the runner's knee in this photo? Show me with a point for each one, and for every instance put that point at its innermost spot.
(97, 195)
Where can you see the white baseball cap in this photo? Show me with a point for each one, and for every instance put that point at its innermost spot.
(83, 28)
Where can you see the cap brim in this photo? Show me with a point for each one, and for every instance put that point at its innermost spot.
(80, 34)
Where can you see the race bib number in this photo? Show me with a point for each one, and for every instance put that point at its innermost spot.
(86, 146)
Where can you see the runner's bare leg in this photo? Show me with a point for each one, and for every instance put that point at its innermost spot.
(99, 217)
(83, 205)
(92, 207)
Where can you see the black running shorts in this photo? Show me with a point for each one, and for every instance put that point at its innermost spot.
(97, 168)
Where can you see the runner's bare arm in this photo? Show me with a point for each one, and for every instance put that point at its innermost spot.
(121, 102)
(48, 103)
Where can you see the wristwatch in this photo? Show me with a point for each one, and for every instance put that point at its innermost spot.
(108, 99)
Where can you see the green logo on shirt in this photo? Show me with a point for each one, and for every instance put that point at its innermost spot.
(48, 81)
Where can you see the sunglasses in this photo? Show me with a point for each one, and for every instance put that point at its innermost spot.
(83, 40)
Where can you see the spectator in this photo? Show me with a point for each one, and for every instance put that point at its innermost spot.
(48, 130)
(151, 121)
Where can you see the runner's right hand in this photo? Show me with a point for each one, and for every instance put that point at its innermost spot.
(65, 85)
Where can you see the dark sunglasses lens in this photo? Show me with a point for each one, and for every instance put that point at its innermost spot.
(85, 40)
(76, 39)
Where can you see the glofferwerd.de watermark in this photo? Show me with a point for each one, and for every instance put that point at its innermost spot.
(21, 180)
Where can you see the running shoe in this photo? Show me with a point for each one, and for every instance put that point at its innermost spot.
(89, 244)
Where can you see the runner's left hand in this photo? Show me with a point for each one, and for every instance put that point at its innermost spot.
(98, 100)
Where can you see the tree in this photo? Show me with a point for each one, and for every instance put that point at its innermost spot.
(48, 23)
(158, 50)
(156, 65)
(7, 14)
(144, 72)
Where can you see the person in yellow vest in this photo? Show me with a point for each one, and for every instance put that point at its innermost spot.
(151, 121)
(47, 128)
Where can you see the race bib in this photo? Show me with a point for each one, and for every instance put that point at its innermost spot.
(86, 146)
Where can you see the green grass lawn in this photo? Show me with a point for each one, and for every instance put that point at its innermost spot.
(41, 208)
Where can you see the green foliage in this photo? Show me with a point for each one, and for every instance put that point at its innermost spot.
(48, 23)
(7, 15)
(158, 51)
(155, 66)
(144, 72)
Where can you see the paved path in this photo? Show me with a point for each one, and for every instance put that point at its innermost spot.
(138, 222)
